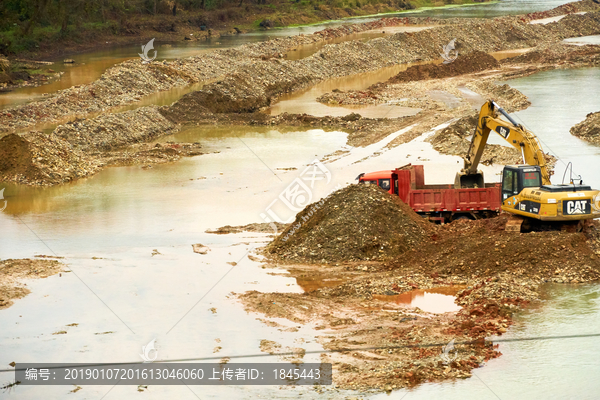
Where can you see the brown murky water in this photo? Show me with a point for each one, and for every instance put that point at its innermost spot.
(305, 101)
(435, 300)
(310, 283)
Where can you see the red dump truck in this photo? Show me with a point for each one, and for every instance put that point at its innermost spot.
(438, 203)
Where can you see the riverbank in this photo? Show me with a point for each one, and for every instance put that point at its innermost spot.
(189, 24)
(588, 129)
(362, 305)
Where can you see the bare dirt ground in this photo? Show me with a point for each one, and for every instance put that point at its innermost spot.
(377, 343)
(13, 272)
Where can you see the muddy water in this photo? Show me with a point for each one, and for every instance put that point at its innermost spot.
(435, 300)
(305, 101)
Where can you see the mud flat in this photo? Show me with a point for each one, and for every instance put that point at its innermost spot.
(14, 272)
(588, 129)
(378, 341)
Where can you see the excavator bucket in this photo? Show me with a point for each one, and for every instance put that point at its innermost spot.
(464, 180)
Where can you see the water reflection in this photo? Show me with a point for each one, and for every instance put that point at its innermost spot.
(435, 300)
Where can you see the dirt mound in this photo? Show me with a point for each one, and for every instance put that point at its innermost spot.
(473, 62)
(454, 140)
(588, 129)
(359, 222)
(482, 248)
(36, 158)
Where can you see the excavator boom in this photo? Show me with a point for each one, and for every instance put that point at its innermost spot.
(515, 134)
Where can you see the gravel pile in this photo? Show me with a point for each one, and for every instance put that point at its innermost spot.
(588, 129)
(110, 131)
(566, 55)
(455, 140)
(359, 222)
(36, 158)
(465, 64)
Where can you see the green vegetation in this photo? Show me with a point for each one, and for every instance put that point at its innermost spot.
(29, 25)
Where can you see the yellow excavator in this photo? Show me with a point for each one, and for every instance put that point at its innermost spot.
(527, 193)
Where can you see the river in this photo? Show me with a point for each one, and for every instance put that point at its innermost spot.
(127, 232)
(91, 65)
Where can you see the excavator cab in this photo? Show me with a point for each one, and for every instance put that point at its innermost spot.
(518, 177)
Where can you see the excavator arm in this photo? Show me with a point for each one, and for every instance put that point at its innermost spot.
(515, 134)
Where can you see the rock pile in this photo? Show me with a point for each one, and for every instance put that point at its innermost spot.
(36, 158)
(359, 222)
(110, 131)
(588, 129)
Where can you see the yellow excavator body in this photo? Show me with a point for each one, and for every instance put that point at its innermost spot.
(526, 189)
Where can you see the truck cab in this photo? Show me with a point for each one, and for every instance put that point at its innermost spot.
(387, 180)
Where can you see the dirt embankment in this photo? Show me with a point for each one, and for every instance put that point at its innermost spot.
(12, 272)
(40, 159)
(588, 129)
(376, 342)
(112, 131)
(558, 55)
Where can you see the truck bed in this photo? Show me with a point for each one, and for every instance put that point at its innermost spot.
(431, 198)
